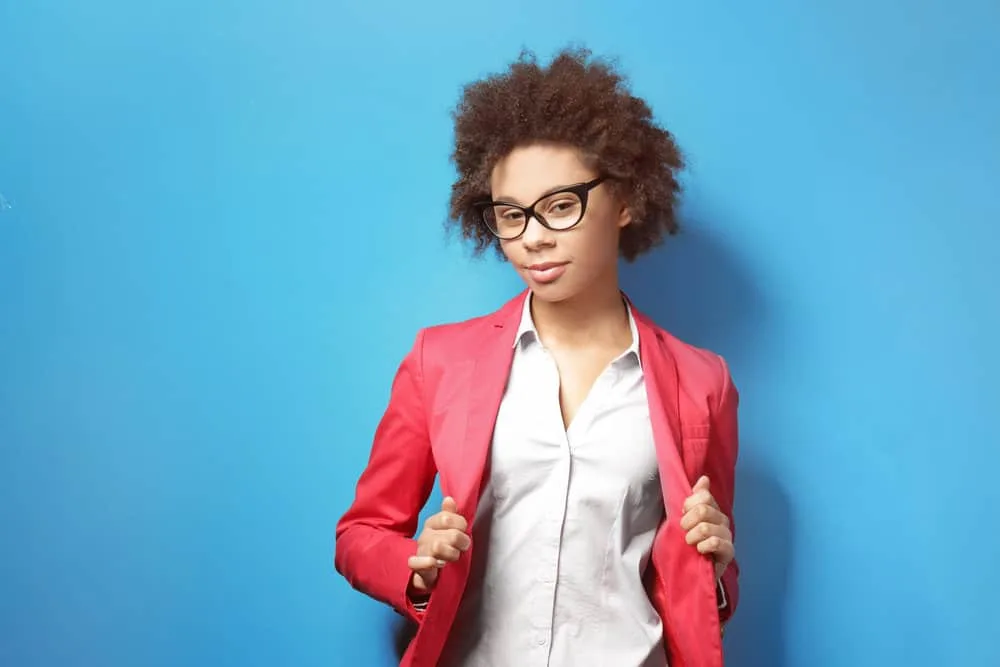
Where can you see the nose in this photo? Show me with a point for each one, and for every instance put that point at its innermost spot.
(536, 235)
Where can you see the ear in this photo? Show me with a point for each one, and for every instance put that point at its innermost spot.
(624, 217)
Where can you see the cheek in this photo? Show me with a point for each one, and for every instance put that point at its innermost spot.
(510, 251)
(599, 242)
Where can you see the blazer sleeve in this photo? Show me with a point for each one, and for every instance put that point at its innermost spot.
(720, 466)
(374, 538)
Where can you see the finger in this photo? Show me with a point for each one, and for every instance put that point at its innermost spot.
(701, 484)
(424, 563)
(706, 531)
(700, 497)
(722, 551)
(427, 551)
(445, 521)
(442, 550)
(703, 514)
(424, 580)
(458, 539)
(449, 505)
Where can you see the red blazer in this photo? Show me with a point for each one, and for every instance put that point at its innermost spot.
(439, 421)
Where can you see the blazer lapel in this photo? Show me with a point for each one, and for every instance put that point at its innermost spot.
(691, 615)
(664, 413)
(477, 388)
(485, 380)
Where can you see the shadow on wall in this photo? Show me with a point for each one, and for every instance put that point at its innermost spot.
(698, 291)
(756, 635)
(403, 631)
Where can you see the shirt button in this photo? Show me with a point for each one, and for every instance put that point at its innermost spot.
(540, 641)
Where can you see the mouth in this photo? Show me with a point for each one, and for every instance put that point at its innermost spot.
(545, 266)
(546, 272)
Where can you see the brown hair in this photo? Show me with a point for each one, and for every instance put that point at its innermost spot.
(579, 101)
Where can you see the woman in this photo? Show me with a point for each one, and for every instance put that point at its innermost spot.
(586, 456)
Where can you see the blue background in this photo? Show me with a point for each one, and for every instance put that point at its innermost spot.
(221, 227)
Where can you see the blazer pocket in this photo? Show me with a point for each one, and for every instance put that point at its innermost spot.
(697, 430)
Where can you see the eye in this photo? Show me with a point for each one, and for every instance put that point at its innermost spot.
(510, 214)
(562, 206)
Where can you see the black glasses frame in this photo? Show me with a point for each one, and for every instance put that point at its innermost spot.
(581, 190)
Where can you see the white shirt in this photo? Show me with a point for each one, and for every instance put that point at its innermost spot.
(565, 524)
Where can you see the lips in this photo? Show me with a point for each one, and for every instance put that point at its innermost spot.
(546, 272)
(545, 266)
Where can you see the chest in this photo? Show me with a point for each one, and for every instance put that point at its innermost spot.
(607, 453)
(577, 375)
(474, 405)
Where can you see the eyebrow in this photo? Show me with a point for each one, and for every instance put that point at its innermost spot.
(550, 191)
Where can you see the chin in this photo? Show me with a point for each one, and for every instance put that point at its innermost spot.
(552, 292)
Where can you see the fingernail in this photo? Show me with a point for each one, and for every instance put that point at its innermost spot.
(441, 563)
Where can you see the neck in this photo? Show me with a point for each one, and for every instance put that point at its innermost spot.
(598, 317)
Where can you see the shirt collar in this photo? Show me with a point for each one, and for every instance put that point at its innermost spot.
(527, 332)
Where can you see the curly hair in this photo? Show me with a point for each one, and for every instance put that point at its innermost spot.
(578, 101)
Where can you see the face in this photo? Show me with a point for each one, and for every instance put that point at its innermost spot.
(559, 265)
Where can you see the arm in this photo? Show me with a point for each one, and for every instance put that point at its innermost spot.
(375, 535)
(720, 466)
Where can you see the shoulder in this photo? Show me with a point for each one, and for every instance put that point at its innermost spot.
(464, 339)
(703, 375)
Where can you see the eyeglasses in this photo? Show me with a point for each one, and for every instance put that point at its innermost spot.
(557, 211)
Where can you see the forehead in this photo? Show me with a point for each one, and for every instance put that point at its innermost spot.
(528, 171)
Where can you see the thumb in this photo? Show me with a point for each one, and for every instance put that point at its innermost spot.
(701, 484)
(425, 579)
(449, 505)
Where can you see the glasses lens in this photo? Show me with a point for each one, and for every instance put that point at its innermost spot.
(507, 222)
(561, 210)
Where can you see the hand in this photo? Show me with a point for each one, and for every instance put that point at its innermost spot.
(442, 541)
(707, 527)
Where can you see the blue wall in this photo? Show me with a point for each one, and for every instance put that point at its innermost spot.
(221, 228)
